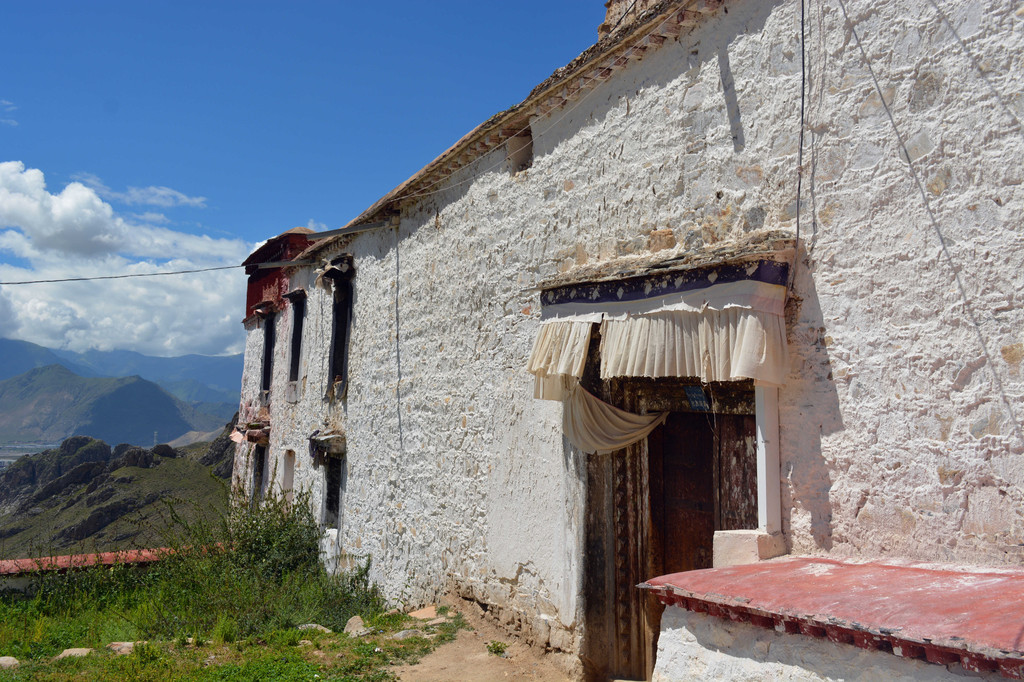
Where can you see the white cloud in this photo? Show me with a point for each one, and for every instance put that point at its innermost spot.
(74, 233)
(315, 226)
(151, 218)
(7, 107)
(144, 196)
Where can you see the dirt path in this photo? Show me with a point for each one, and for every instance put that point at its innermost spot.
(467, 659)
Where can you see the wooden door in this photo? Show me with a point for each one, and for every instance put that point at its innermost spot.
(682, 493)
(652, 509)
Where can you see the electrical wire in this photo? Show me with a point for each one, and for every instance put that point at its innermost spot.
(943, 242)
(138, 274)
(800, 148)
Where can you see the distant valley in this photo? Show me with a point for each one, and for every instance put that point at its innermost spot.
(117, 396)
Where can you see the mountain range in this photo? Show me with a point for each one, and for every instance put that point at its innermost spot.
(117, 396)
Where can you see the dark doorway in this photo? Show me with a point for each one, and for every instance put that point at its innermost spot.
(654, 507)
(703, 478)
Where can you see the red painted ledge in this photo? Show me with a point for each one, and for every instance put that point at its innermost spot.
(936, 613)
(15, 567)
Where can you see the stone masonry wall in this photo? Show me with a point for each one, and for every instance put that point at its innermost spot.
(900, 427)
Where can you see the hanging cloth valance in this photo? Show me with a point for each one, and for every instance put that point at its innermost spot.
(715, 345)
(720, 323)
(722, 332)
(559, 353)
(594, 426)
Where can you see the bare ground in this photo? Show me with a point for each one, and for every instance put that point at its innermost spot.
(468, 660)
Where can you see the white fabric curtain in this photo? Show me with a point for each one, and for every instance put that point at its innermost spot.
(594, 426)
(559, 353)
(714, 345)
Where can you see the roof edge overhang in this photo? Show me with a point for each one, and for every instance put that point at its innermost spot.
(665, 21)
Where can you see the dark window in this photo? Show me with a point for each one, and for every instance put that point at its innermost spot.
(332, 480)
(259, 473)
(519, 151)
(340, 333)
(298, 299)
(268, 350)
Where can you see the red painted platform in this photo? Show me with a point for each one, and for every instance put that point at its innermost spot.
(938, 613)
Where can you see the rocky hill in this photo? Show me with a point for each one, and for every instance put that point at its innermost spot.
(86, 497)
(48, 404)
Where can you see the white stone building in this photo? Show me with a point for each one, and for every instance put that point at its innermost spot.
(838, 353)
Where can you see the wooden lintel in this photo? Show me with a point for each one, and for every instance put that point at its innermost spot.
(636, 52)
(706, 6)
(686, 18)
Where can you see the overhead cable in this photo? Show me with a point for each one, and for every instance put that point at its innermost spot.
(137, 274)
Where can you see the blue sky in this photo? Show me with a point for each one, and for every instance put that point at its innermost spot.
(137, 136)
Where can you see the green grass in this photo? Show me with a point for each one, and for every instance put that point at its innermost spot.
(236, 587)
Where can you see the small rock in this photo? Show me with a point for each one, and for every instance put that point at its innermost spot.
(426, 613)
(317, 626)
(8, 662)
(392, 612)
(121, 648)
(406, 634)
(356, 628)
(305, 642)
(73, 653)
(437, 621)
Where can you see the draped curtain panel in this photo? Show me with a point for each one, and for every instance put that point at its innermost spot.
(594, 426)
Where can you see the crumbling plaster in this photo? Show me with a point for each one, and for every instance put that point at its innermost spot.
(899, 423)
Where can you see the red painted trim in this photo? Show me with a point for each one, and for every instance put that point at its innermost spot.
(15, 567)
(936, 614)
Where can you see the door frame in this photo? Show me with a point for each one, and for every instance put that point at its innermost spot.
(622, 622)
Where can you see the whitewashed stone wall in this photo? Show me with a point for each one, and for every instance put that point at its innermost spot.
(900, 422)
(695, 646)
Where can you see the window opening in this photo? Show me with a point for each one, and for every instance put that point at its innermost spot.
(332, 482)
(268, 350)
(288, 476)
(298, 300)
(519, 151)
(259, 473)
(340, 334)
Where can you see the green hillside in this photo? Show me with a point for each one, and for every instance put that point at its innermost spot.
(84, 497)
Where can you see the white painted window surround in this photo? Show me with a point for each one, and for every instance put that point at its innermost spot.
(733, 547)
(769, 504)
